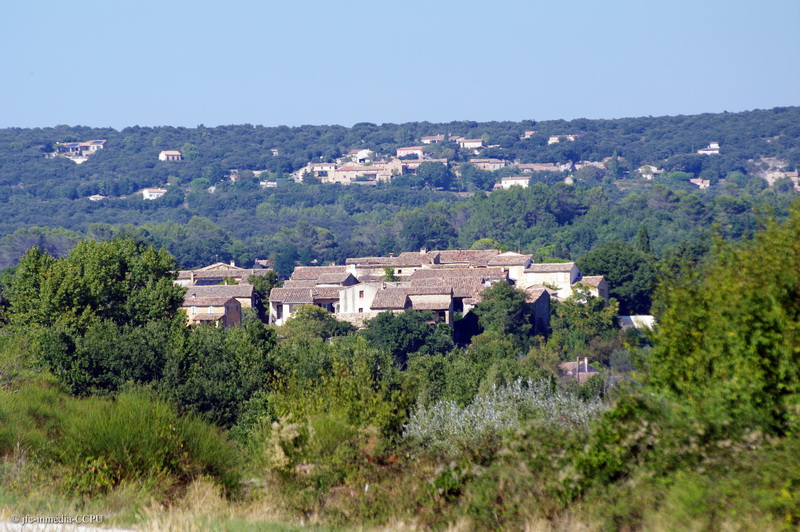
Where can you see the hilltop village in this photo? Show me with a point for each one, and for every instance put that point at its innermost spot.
(447, 283)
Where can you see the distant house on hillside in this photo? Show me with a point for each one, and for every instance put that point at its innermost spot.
(711, 149)
(471, 144)
(555, 139)
(514, 181)
(170, 155)
(97, 197)
(434, 139)
(80, 148)
(410, 150)
(153, 193)
(488, 164)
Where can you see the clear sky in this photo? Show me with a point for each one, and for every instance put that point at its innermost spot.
(183, 63)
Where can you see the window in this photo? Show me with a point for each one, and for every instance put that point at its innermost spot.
(360, 310)
(361, 294)
(399, 271)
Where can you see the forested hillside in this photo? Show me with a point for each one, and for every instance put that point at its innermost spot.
(44, 200)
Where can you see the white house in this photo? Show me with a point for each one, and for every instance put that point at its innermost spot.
(410, 150)
(170, 155)
(711, 149)
(153, 193)
(515, 181)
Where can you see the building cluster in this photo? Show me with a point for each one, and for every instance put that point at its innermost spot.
(443, 282)
(216, 294)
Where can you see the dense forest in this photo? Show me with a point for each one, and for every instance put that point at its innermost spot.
(44, 201)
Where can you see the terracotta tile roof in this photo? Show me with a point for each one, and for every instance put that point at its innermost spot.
(592, 280)
(291, 295)
(325, 292)
(218, 266)
(371, 261)
(535, 292)
(434, 290)
(302, 273)
(550, 267)
(210, 316)
(305, 283)
(221, 290)
(370, 279)
(237, 273)
(207, 301)
(510, 259)
(462, 287)
(390, 298)
(469, 256)
(473, 273)
(333, 278)
(440, 303)
(414, 258)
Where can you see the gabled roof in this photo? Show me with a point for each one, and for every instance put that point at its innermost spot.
(291, 295)
(550, 267)
(237, 273)
(221, 290)
(414, 258)
(535, 293)
(334, 278)
(510, 259)
(390, 299)
(218, 266)
(208, 301)
(371, 261)
(313, 272)
(304, 283)
(592, 280)
(325, 292)
(471, 273)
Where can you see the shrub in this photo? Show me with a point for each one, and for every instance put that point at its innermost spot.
(447, 427)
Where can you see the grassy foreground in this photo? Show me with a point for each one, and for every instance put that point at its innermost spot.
(135, 461)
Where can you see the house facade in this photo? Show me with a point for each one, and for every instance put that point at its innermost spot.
(170, 155)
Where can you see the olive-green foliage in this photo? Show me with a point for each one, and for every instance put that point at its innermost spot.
(630, 272)
(410, 331)
(359, 383)
(313, 321)
(118, 280)
(503, 309)
(107, 355)
(93, 444)
(578, 320)
(728, 335)
(493, 359)
(215, 372)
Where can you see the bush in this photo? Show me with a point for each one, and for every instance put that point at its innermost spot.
(447, 427)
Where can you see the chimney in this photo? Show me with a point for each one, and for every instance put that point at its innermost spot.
(586, 364)
(191, 277)
(233, 264)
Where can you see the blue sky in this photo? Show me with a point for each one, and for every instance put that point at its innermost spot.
(183, 63)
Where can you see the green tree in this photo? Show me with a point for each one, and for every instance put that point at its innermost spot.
(628, 271)
(435, 175)
(643, 240)
(504, 309)
(262, 286)
(123, 281)
(729, 330)
(313, 321)
(410, 331)
(579, 319)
